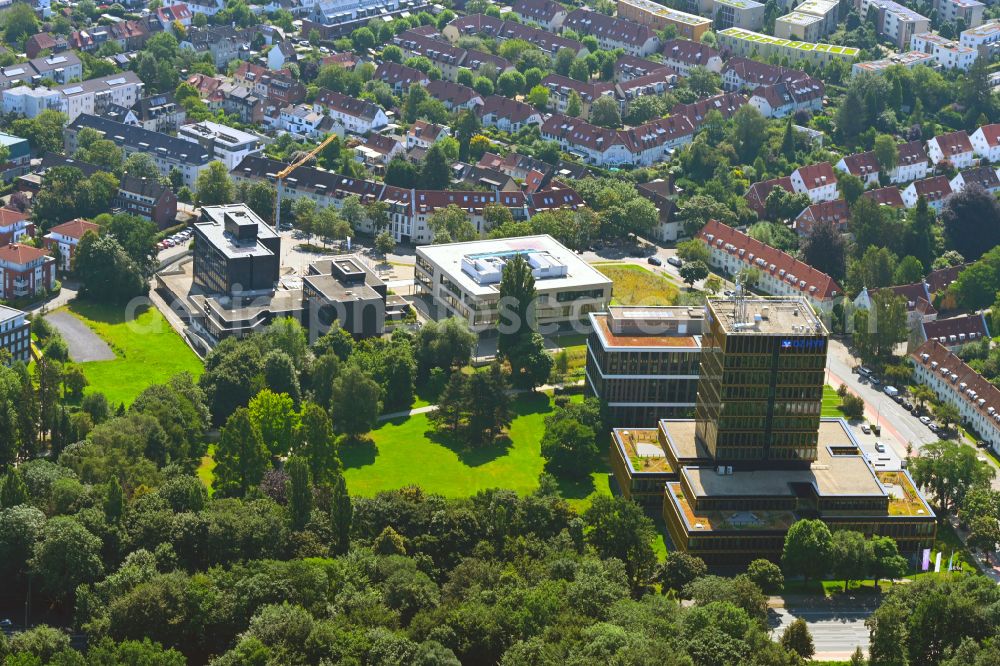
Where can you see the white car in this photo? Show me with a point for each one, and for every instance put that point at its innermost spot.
(880, 447)
(925, 420)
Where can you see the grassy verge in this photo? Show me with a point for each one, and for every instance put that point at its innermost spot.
(148, 350)
(831, 402)
(407, 451)
(634, 285)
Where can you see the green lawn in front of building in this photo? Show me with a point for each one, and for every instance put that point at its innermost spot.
(148, 350)
(407, 451)
(635, 285)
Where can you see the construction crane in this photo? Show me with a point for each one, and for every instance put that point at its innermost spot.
(284, 173)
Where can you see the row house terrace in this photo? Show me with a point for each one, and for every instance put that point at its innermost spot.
(788, 97)
(886, 196)
(746, 74)
(613, 33)
(954, 382)
(495, 28)
(684, 54)
(454, 96)
(836, 212)
(954, 332)
(644, 145)
(506, 114)
(358, 116)
(548, 14)
(400, 77)
(727, 104)
(781, 274)
(561, 89)
(409, 209)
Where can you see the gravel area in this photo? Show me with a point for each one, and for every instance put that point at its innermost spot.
(84, 345)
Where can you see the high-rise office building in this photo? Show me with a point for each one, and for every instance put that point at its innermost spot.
(761, 386)
(758, 456)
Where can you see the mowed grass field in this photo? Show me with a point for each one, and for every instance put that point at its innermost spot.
(635, 285)
(407, 451)
(148, 350)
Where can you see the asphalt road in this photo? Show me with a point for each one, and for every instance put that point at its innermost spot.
(879, 408)
(836, 633)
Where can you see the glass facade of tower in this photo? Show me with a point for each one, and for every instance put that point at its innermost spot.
(760, 395)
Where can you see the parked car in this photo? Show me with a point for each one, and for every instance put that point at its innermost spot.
(925, 420)
(675, 262)
(864, 371)
(880, 447)
(934, 427)
(908, 406)
(865, 429)
(891, 391)
(655, 261)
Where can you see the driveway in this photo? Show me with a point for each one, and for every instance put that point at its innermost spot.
(84, 345)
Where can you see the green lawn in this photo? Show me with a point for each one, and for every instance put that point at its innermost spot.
(634, 285)
(831, 402)
(149, 351)
(206, 470)
(407, 451)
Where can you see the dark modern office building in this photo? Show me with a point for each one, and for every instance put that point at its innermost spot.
(642, 362)
(237, 286)
(235, 252)
(757, 456)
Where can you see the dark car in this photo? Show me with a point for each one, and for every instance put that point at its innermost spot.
(655, 261)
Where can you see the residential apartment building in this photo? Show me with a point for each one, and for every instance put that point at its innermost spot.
(907, 60)
(642, 363)
(168, 152)
(727, 104)
(836, 212)
(886, 196)
(26, 271)
(947, 53)
(935, 190)
(658, 17)
(986, 142)
(634, 38)
(756, 196)
(663, 194)
(15, 334)
(954, 148)
(357, 116)
(780, 274)
(423, 134)
(912, 163)
(747, 74)
(984, 177)
(983, 38)
(954, 382)
(226, 144)
(894, 21)
(969, 11)
(800, 26)
(746, 14)
(305, 121)
(63, 239)
(817, 180)
(740, 42)
(147, 198)
(464, 280)
(60, 68)
(862, 165)
(94, 96)
(954, 332)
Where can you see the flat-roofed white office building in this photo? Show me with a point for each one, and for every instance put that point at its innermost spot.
(463, 279)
